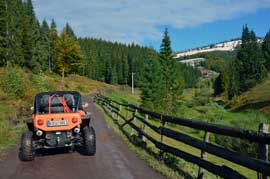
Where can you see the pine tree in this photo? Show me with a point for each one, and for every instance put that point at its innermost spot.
(45, 45)
(125, 71)
(165, 48)
(258, 71)
(151, 85)
(13, 30)
(221, 83)
(3, 32)
(53, 40)
(113, 79)
(70, 31)
(250, 61)
(266, 51)
(31, 35)
(108, 72)
(173, 82)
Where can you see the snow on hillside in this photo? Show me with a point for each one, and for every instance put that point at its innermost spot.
(193, 62)
(222, 46)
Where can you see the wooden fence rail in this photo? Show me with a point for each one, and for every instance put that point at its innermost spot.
(262, 166)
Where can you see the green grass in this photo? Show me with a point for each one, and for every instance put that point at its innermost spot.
(8, 132)
(207, 111)
(212, 112)
(124, 95)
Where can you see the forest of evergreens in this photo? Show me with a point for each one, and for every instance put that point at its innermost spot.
(39, 47)
(249, 66)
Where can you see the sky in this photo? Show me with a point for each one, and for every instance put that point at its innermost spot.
(191, 23)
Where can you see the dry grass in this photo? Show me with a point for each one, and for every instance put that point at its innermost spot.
(12, 108)
(257, 97)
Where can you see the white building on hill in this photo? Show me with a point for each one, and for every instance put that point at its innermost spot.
(192, 62)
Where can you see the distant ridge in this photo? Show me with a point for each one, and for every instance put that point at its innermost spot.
(228, 45)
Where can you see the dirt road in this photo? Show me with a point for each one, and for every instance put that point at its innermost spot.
(112, 160)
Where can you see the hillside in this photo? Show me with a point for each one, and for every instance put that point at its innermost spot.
(228, 45)
(257, 97)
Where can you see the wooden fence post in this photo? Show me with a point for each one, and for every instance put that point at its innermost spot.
(161, 155)
(163, 125)
(119, 112)
(203, 155)
(132, 130)
(263, 149)
(144, 126)
(127, 110)
(111, 109)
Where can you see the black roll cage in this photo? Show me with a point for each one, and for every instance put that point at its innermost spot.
(60, 93)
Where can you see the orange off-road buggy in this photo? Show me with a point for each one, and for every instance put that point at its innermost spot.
(58, 121)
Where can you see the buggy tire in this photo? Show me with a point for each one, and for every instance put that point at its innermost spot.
(89, 138)
(27, 151)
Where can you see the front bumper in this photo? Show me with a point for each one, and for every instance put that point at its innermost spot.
(58, 139)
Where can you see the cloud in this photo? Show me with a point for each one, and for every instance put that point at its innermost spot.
(137, 20)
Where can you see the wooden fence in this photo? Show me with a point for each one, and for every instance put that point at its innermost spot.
(260, 165)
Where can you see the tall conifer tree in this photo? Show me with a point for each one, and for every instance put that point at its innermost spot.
(3, 32)
(250, 61)
(266, 51)
(173, 83)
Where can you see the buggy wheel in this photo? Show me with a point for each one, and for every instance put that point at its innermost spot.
(89, 138)
(27, 151)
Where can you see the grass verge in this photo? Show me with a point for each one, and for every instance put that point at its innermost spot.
(228, 118)
(150, 159)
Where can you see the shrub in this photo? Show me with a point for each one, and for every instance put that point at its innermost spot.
(40, 83)
(81, 88)
(12, 83)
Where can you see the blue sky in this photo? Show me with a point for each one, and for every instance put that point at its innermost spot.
(191, 23)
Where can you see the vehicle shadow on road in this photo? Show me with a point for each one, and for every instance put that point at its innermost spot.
(54, 151)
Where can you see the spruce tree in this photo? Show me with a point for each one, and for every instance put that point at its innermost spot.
(250, 61)
(233, 82)
(31, 35)
(221, 83)
(113, 79)
(173, 82)
(3, 32)
(151, 85)
(53, 39)
(13, 30)
(70, 31)
(108, 71)
(266, 51)
(125, 71)
(45, 45)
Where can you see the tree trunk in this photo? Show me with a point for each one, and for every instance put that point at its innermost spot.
(7, 36)
(63, 77)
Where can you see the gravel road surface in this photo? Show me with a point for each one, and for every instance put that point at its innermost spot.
(112, 160)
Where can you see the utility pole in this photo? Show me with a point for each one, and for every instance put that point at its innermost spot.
(132, 82)
(50, 65)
